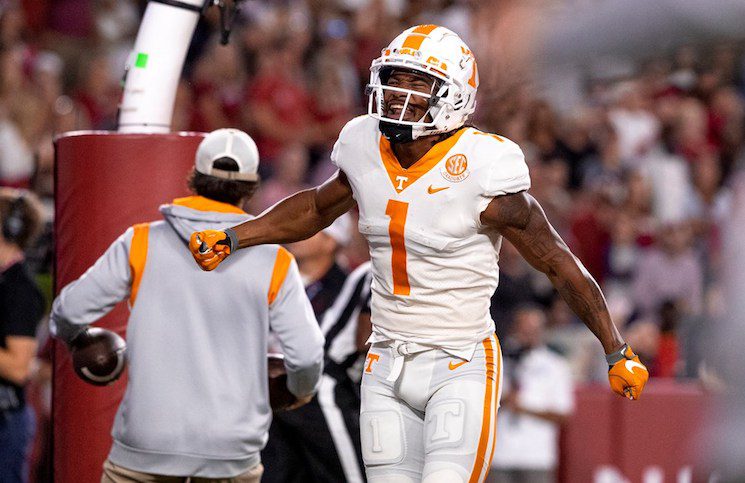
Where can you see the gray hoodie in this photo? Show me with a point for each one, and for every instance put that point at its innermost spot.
(197, 400)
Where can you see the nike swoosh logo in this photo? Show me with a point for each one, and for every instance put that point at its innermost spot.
(452, 366)
(432, 190)
(630, 365)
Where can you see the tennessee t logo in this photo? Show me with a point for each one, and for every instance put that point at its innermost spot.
(370, 359)
(401, 180)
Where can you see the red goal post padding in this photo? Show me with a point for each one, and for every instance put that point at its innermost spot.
(105, 182)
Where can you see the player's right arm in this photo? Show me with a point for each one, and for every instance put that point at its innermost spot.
(295, 218)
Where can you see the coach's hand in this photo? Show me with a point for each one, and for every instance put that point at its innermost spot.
(626, 373)
(210, 247)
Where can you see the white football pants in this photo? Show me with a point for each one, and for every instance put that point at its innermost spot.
(434, 419)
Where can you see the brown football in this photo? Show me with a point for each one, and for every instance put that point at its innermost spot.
(279, 396)
(98, 356)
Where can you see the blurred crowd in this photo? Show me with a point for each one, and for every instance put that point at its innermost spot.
(635, 177)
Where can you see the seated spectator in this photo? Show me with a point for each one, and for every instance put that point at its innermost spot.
(537, 397)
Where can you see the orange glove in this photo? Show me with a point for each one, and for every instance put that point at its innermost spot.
(626, 373)
(210, 247)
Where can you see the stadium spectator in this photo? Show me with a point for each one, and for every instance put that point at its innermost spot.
(538, 396)
(590, 231)
(637, 128)
(684, 76)
(707, 210)
(12, 24)
(638, 205)
(218, 85)
(216, 365)
(605, 169)
(542, 129)
(622, 262)
(669, 271)
(97, 92)
(576, 145)
(289, 176)
(18, 120)
(278, 97)
(667, 360)
(335, 87)
(518, 285)
(21, 310)
(550, 189)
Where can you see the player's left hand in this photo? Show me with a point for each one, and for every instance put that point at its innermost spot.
(627, 375)
(210, 247)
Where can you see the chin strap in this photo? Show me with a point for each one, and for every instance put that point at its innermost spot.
(396, 133)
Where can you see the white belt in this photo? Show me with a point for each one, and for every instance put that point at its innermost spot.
(400, 350)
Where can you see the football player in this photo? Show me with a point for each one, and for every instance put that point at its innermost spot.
(435, 198)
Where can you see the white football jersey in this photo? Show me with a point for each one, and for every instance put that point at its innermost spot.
(434, 266)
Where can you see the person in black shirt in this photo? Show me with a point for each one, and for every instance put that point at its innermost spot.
(21, 309)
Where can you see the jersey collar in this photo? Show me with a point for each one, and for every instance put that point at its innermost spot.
(404, 178)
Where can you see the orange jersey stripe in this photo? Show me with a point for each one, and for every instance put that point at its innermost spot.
(397, 210)
(137, 258)
(281, 265)
(499, 382)
(478, 465)
(417, 36)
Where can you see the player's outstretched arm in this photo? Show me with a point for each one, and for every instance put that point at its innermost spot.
(521, 220)
(295, 218)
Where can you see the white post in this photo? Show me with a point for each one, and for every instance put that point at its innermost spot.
(155, 64)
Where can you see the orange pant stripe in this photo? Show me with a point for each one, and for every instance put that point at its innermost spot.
(478, 465)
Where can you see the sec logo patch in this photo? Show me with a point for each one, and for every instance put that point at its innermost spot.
(455, 168)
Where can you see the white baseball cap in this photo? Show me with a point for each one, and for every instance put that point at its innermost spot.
(233, 144)
(341, 230)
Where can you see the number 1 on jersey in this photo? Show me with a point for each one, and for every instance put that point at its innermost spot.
(397, 211)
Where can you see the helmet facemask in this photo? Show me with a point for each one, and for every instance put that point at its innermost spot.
(396, 129)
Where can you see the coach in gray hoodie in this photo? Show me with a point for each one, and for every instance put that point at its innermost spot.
(201, 407)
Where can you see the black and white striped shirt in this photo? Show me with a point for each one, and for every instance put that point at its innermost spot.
(339, 323)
